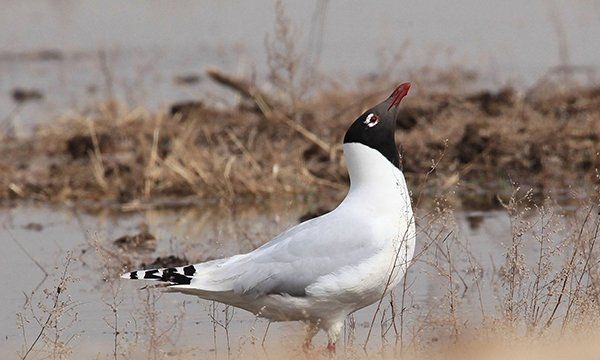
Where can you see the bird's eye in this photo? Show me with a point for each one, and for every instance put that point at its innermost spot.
(371, 120)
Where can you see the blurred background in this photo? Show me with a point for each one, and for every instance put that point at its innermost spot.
(144, 134)
(76, 53)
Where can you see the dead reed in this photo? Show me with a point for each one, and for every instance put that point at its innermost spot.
(47, 318)
(129, 158)
(285, 141)
(539, 293)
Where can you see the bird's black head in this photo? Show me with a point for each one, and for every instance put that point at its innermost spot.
(375, 128)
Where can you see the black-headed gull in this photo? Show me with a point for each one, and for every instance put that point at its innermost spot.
(326, 268)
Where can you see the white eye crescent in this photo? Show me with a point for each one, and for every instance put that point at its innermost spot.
(371, 120)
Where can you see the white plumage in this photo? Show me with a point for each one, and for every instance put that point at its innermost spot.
(324, 269)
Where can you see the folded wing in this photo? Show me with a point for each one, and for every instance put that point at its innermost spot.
(292, 261)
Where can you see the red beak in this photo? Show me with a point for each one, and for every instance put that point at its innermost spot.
(398, 94)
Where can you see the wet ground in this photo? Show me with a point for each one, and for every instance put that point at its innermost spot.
(181, 325)
(57, 56)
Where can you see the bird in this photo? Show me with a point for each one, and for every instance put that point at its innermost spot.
(326, 268)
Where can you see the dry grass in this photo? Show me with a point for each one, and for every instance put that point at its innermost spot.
(286, 141)
(538, 299)
(47, 318)
(117, 155)
(542, 300)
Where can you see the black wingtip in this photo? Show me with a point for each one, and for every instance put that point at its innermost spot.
(176, 276)
(189, 270)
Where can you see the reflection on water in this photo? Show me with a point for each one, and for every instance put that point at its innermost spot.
(476, 240)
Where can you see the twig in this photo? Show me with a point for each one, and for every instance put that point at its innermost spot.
(96, 155)
(265, 335)
(389, 279)
(237, 84)
(29, 256)
(569, 269)
(264, 104)
(55, 305)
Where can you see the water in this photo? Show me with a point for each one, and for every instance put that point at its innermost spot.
(133, 50)
(146, 44)
(477, 240)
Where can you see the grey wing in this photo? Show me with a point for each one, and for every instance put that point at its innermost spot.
(296, 258)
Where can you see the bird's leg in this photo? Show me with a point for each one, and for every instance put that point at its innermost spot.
(331, 348)
(311, 330)
(333, 333)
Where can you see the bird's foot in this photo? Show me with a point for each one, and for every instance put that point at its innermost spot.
(331, 348)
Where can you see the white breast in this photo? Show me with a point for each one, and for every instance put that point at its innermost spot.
(378, 193)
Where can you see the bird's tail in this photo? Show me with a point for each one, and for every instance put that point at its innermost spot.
(174, 275)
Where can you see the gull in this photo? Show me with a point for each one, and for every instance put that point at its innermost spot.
(324, 269)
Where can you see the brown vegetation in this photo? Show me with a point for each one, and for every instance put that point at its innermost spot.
(287, 141)
(538, 299)
(120, 155)
(541, 300)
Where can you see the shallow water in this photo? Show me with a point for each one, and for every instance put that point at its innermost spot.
(147, 44)
(476, 239)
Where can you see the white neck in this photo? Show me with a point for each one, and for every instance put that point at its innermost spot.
(368, 167)
(373, 178)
